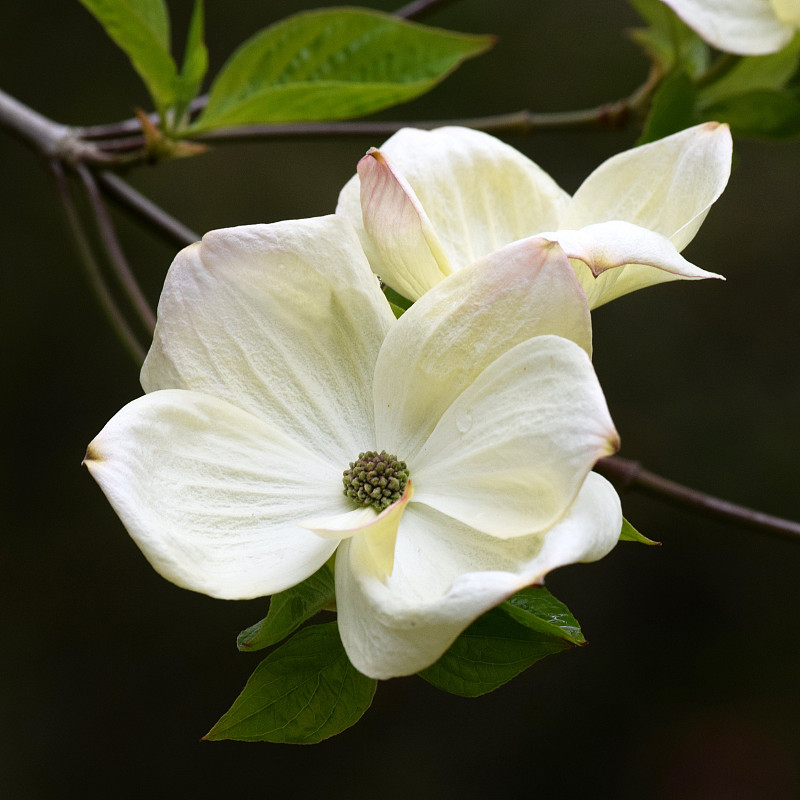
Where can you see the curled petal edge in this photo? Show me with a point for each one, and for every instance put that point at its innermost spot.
(374, 534)
(618, 245)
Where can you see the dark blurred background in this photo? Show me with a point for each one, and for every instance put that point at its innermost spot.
(689, 686)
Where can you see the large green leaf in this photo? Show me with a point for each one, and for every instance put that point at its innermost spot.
(303, 692)
(141, 29)
(288, 610)
(537, 609)
(772, 71)
(766, 113)
(332, 64)
(489, 653)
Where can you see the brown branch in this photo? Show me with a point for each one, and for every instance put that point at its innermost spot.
(627, 474)
(171, 229)
(421, 8)
(519, 123)
(109, 236)
(91, 268)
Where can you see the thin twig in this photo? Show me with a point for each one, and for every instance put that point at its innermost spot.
(122, 145)
(421, 8)
(126, 127)
(93, 273)
(627, 474)
(145, 209)
(520, 123)
(115, 254)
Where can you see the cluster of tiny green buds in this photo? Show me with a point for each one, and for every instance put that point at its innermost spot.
(375, 479)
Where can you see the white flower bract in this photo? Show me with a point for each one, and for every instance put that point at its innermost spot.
(429, 203)
(747, 27)
(277, 359)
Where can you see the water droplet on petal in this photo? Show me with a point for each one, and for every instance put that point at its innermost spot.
(463, 421)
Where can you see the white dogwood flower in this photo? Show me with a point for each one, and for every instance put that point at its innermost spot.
(428, 203)
(747, 27)
(466, 432)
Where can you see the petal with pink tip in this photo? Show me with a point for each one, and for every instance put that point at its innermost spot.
(406, 251)
(477, 193)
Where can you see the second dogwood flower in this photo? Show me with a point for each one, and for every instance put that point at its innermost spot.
(428, 203)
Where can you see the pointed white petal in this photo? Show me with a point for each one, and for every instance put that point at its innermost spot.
(614, 258)
(447, 574)
(450, 335)
(666, 186)
(283, 320)
(212, 494)
(510, 454)
(748, 27)
(477, 192)
(406, 251)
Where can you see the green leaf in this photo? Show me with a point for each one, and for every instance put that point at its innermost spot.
(668, 40)
(672, 109)
(537, 609)
(141, 29)
(396, 310)
(332, 64)
(771, 71)
(288, 610)
(493, 650)
(195, 62)
(303, 692)
(770, 114)
(630, 534)
(398, 303)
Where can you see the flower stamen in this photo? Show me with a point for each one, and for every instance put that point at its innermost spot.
(375, 479)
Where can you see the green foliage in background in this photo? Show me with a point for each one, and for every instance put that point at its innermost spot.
(756, 95)
(317, 65)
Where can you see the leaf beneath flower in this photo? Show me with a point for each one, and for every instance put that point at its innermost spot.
(303, 692)
(493, 650)
(288, 610)
(537, 609)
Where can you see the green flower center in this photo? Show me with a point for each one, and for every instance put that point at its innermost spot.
(375, 479)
